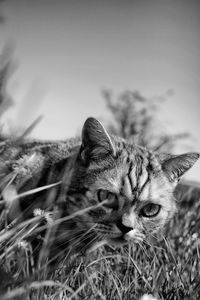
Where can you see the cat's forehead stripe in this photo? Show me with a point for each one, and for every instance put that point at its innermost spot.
(133, 178)
(127, 187)
(136, 177)
(143, 178)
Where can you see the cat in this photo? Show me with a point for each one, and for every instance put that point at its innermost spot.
(104, 188)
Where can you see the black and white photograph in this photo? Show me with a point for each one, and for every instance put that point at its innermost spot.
(99, 150)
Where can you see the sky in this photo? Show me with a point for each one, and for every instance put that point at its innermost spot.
(68, 51)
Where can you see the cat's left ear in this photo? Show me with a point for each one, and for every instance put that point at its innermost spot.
(175, 166)
(96, 142)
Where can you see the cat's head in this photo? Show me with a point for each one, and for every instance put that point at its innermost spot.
(134, 185)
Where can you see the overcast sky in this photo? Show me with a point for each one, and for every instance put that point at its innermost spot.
(68, 51)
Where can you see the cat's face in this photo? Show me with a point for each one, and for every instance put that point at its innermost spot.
(134, 185)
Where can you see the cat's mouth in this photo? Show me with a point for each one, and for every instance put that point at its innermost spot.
(125, 238)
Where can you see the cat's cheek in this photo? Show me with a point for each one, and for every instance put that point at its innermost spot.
(164, 216)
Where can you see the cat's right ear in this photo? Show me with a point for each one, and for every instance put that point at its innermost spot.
(96, 142)
(175, 166)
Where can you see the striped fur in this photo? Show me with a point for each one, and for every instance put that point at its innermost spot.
(135, 182)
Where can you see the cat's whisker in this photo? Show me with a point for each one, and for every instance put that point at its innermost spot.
(70, 238)
(155, 236)
(91, 242)
(87, 235)
(77, 236)
(152, 245)
(144, 250)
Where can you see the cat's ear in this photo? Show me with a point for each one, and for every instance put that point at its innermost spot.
(175, 166)
(96, 142)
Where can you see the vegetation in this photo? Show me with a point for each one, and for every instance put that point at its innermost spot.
(134, 117)
(167, 267)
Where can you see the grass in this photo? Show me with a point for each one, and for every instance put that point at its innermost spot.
(167, 268)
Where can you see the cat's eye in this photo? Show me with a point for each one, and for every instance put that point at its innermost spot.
(102, 195)
(111, 197)
(150, 210)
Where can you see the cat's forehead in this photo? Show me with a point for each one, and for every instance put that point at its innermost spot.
(144, 182)
(142, 175)
(133, 153)
(131, 169)
(138, 158)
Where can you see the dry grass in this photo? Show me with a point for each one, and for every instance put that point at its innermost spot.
(168, 268)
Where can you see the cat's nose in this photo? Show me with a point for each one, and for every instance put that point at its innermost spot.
(124, 229)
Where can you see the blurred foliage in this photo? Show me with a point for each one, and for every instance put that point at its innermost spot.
(135, 119)
(7, 67)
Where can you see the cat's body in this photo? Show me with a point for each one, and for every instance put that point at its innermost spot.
(130, 187)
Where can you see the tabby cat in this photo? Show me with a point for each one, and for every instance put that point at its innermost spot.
(102, 188)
